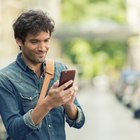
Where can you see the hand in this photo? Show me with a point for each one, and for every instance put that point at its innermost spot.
(71, 99)
(57, 96)
(70, 107)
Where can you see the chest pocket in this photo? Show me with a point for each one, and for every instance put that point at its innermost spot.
(29, 101)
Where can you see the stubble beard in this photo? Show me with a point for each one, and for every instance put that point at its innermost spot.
(37, 60)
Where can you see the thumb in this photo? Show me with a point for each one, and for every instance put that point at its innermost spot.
(55, 85)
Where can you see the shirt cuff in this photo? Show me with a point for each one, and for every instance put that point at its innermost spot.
(29, 122)
(78, 119)
(80, 114)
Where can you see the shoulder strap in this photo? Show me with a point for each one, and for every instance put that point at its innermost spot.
(49, 74)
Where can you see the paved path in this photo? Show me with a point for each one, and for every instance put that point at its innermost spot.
(106, 118)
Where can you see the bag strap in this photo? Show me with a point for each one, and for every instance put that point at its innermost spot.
(49, 74)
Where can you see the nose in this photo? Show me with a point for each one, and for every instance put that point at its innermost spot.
(43, 46)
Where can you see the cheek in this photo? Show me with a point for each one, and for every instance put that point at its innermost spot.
(28, 45)
(27, 51)
(47, 48)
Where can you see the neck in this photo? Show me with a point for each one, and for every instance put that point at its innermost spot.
(36, 67)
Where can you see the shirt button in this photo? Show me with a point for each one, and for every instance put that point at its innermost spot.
(49, 125)
(30, 98)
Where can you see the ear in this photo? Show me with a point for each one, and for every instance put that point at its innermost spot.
(19, 42)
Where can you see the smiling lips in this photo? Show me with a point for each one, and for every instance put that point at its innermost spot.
(40, 53)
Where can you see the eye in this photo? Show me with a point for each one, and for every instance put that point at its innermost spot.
(47, 40)
(34, 41)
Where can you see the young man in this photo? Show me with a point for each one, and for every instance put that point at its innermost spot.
(21, 83)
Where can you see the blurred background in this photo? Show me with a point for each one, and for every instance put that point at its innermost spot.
(101, 39)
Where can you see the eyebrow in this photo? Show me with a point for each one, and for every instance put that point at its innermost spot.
(47, 38)
(39, 39)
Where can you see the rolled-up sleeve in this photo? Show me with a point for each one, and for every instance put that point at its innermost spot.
(79, 121)
(29, 122)
(15, 123)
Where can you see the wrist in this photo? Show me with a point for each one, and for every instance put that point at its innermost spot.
(71, 111)
(46, 106)
(68, 106)
(39, 112)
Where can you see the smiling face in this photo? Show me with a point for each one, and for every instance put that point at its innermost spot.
(35, 48)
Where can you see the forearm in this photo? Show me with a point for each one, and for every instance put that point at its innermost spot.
(71, 111)
(79, 121)
(14, 122)
(39, 112)
(22, 126)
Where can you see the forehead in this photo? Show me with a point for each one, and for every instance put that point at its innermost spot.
(40, 35)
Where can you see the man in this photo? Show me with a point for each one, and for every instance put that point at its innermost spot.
(21, 83)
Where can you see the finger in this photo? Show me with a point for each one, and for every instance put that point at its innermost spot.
(55, 85)
(64, 86)
(67, 93)
(67, 98)
(76, 89)
(72, 90)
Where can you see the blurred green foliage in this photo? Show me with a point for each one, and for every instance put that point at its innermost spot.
(94, 57)
(81, 10)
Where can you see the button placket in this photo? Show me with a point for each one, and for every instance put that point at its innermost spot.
(50, 127)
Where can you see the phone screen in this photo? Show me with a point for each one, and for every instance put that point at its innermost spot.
(67, 75)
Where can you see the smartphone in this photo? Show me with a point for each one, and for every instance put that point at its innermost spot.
(67, 75)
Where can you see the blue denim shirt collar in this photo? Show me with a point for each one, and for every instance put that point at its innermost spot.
(20, 62)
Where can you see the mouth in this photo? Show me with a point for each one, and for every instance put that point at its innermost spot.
(40, 54)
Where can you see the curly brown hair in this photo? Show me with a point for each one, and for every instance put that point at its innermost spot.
(32, 22)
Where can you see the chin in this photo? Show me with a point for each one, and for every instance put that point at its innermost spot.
(41, 60)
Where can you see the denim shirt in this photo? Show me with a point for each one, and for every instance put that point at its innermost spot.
(19, 91)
